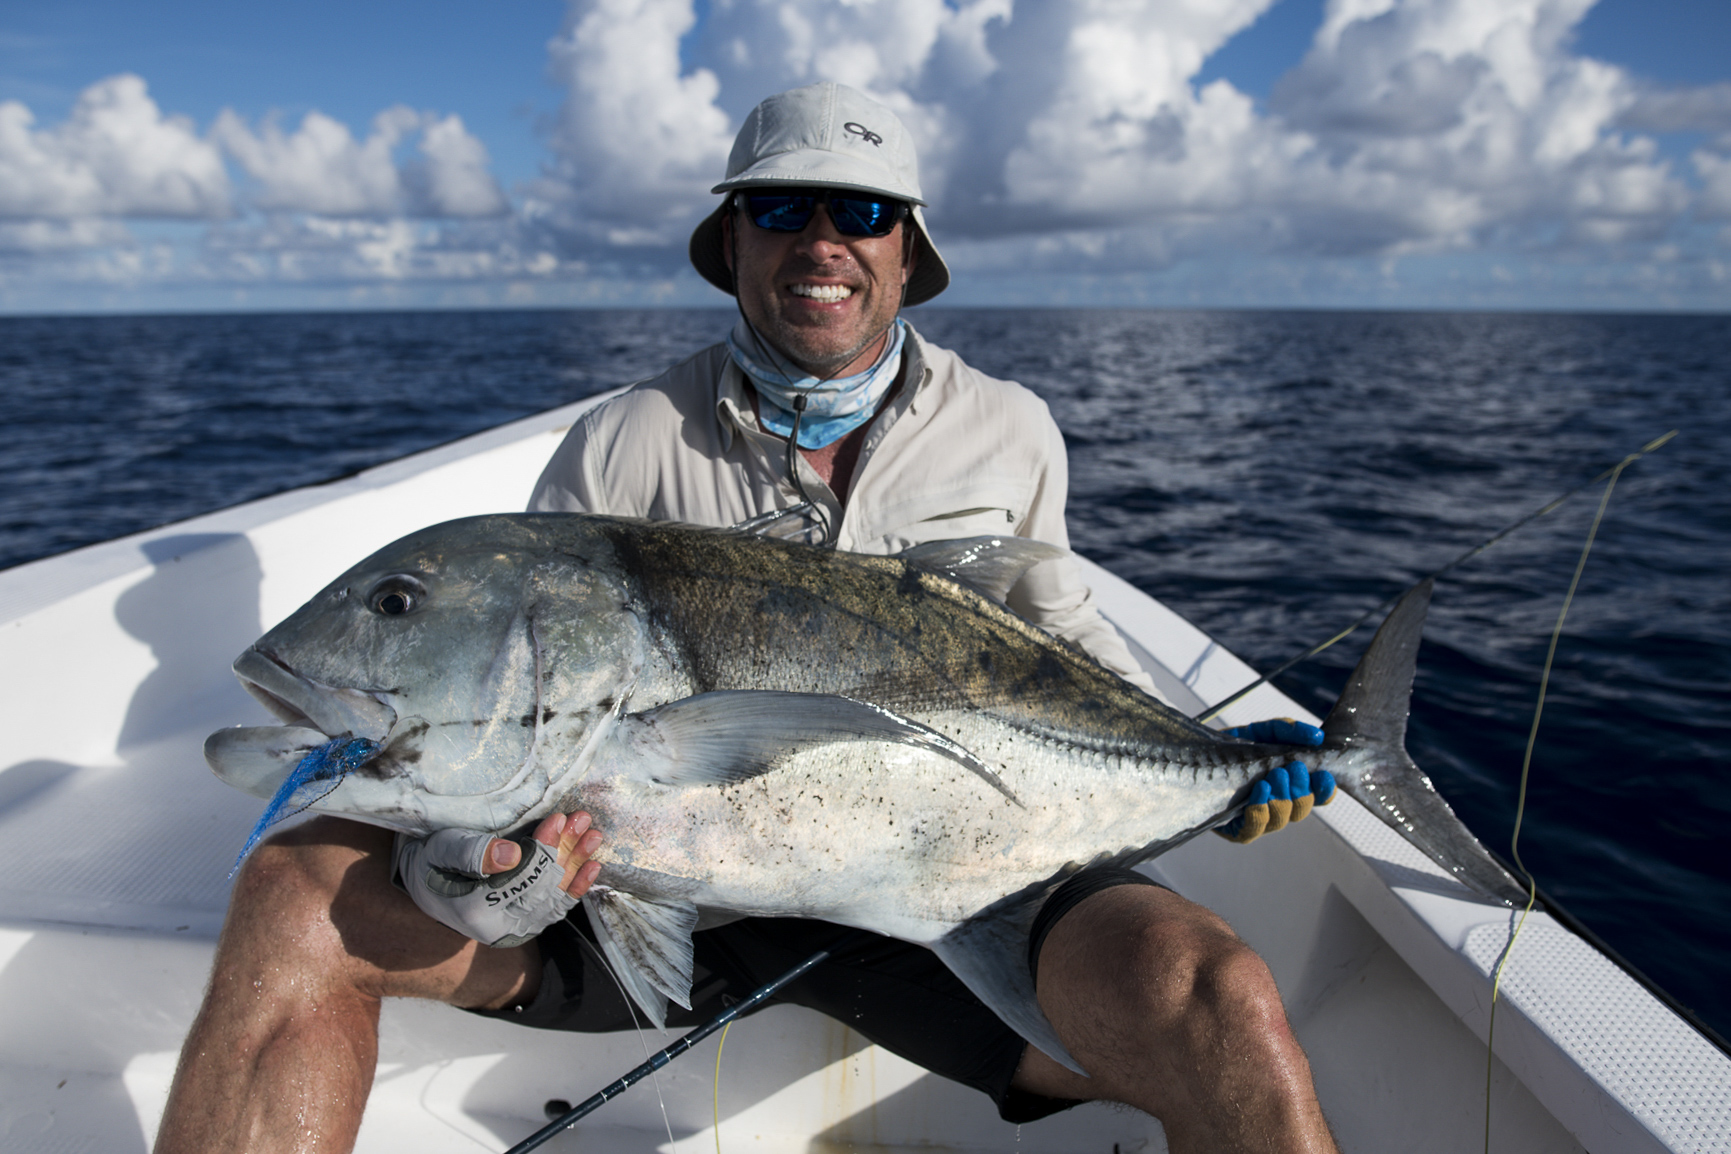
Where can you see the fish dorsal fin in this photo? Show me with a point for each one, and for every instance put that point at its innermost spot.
(990, 566)
(647, 941)
(989, 953)
(733, 735)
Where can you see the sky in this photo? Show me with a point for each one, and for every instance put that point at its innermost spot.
(1466, 154)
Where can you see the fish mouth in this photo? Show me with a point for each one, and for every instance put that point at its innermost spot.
(299, 702)
(258, 759)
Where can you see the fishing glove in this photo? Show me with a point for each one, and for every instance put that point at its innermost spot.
(1286, 793)
(442, 873)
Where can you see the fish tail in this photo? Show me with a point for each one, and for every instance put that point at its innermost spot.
(1366, 733)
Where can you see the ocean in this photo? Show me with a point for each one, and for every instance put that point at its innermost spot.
(1270, 475)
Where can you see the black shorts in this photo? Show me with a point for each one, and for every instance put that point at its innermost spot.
(896, 995)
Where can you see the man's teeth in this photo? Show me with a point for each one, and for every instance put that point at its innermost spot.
(823, 292)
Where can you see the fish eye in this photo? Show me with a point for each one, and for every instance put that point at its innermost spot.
(396, 595)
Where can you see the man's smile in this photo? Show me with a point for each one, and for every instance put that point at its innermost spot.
(821, 292)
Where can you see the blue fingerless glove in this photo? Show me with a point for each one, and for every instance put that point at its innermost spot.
(1279, 731)
(1286, 793)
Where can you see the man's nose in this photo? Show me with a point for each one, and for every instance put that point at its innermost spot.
(820, 238)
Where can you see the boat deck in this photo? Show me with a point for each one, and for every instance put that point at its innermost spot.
(117, 842)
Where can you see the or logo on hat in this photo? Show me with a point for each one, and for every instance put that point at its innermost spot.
(862, 132)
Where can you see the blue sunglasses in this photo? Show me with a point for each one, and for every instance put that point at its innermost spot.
(790, 210)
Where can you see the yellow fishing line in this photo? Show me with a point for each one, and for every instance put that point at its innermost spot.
(1526, 767)
(717, 1097)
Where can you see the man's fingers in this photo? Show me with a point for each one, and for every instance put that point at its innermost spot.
(580, 872)
(575, 849)
(571, 839)
(502, 855)
(575, 827)
(584, 879)
(1253, 822)
(1280, 799)
(556, 832)
(1298, 782)
(551, 829)
(1322, 784)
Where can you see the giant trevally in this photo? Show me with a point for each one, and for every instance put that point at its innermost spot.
(768, 728)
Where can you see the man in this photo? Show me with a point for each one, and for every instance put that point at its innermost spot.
(821, 240)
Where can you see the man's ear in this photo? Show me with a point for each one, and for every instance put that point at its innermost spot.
(910, 251)
(727, 239)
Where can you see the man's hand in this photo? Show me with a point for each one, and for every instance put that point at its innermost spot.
(1286, 793)
(482, 887)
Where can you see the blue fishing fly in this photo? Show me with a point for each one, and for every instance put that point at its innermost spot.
(319, 772)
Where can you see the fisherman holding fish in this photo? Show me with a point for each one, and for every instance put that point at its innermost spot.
(823, 417)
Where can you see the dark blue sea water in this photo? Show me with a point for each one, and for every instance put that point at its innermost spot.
(1269, 475)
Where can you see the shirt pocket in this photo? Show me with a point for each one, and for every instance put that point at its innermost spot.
(981, 510)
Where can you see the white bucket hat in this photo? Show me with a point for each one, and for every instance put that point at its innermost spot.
(824, 136)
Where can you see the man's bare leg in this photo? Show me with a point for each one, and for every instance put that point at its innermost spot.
(282, 1053)
(1171, 1013)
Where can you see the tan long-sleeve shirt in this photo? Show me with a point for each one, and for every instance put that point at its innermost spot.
(954, 454)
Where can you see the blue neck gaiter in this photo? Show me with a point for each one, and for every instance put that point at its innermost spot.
(833, 408)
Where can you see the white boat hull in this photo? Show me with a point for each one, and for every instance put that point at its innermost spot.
(116, 842)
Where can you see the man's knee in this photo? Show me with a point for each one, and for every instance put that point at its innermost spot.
(1173, 959)
(1227, 983)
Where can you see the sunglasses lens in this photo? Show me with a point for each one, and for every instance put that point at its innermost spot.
(781, 213)
(853, 215)
(856, 216)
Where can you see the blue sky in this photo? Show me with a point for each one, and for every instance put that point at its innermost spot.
(1356, 153)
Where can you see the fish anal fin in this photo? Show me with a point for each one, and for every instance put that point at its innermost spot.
(990, 566)
(647, 941)
(733, 735)
(989, 953)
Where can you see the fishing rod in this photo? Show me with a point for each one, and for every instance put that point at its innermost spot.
(661, 1057)
(1214, 710)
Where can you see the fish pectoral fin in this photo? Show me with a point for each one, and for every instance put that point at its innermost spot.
(990, 566)
(733, 735)
(647, 941)
(990, 956)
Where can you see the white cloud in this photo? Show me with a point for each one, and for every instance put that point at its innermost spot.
(1703, 108)
(32, 237)
(640, 139)
(637, 143)
(451, 178)
(1456, 119)
(116, 154)
(1411, 126)
(321, 168)
(1715, 170)
(1056, 138)
(412, 201)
